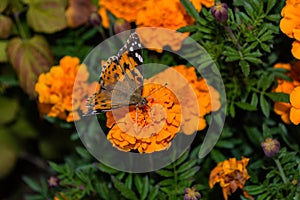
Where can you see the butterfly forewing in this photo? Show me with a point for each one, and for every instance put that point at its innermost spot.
(120, 77)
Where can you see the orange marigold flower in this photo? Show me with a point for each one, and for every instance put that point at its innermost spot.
(193, 93)
(290, 24)
(231, 174)
(147, 129)
(56, 95)
(295, 106)
(283, 108)
(126, 9)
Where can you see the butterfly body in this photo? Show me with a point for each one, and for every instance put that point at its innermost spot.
(121, 80)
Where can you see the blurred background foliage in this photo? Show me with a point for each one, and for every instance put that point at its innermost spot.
(36, 34)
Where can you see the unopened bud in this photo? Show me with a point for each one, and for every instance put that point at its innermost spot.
(191, 194)
(220, 12)
(95, 19)
(270, 147)
(121, 25)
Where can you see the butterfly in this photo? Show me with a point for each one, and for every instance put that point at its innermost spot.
(121, 80)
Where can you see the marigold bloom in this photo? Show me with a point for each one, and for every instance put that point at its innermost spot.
(290, 24)
(283, 108)
(126, 9)
(193, 93)
(295, 106)
(231, 174)
(147, 129)
(270, 147)
(168, 14)
(56, 95)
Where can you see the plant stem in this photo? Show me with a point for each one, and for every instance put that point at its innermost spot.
(282, 174)
(20, 27)
(232, 36)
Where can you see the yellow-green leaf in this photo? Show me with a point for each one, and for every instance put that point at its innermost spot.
(3, 5)
(29, 58)
(9, 108)
(46, 16)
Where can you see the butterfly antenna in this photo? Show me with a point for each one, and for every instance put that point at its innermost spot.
(157, 90)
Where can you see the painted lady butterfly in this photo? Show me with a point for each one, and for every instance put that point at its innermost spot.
(121, 81)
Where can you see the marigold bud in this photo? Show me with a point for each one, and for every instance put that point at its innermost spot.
(6, 25)
(220, 12)
(191, 194)
(95, 19)
(270, 147)
(121, 25)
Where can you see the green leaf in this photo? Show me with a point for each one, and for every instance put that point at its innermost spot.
(225, 144)
(107, 169)
(255, 189)
(46, 16)
(32, 184)
(248, 8)
(186, 166)
(190, 9)
(3, 54)
(254, 100)
(279, 96)
(125, 191)
(9, 108)
(264, 105)
(3, 5)
(189, 173)
(245, 106)
(217, 156)
(165, 173)
(270, 5)
(103, 190)
(56, 167)
(145, 189)
(153, 193)
(191, 28)
(128, 181)
(166, 182)
(182, 158)
(83, 152)
(245, 67)
(138, 183)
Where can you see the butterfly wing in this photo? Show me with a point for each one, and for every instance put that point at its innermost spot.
(120, 77)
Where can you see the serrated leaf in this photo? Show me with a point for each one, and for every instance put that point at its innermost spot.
(165, 173)
(125, 191)
(128, 181)
(245, 67)
(264, 105)
(245, 106)
(189, 173)
(46, 16)
(190, 9)
(153, 193)
(184, 29)
(138, 183)
(182, 158)
(248, 8)
(186, 166)
(279, 96)
(29, 58)
(166, 182)
(107, 169)
(145, 189)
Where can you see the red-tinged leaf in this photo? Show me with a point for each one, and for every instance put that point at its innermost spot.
(78, 12)
(29, 58)
(46, 16)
